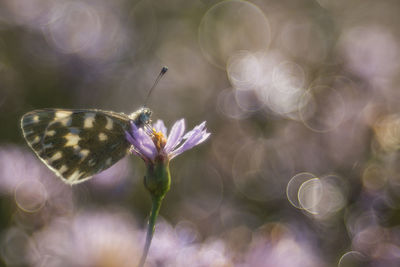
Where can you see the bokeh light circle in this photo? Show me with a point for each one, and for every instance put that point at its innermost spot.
(371, 51)
(227, 105)
(186, 232)
(13, 245)
(288, 74)
(247, 100)
(322, 108)
(30, 195)
(294, 185)
(310, 194)
(374, 177)
(230, 26)
(74, 26)
(334, 195)
(322, 197)
(352, 259)
(244, 70)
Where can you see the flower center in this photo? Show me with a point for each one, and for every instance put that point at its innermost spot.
(159, 140)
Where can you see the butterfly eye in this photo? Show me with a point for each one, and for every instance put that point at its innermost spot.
(145, 117)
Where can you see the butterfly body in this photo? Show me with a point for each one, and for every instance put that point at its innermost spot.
(78, 143)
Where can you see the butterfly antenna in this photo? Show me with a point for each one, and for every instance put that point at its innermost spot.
(162, 72)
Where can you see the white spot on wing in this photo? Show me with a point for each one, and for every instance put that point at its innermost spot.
(63, 169)
(62, 114)
(72, 139)
(56, 156)
(50, 133)
(102, 137)
(66, 121)
(83, 153)
(110, 124)
(88, 120)
(35, 118)
(74, 176)
(35, 140)
(108, 161)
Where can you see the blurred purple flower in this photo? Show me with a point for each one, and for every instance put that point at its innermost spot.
(284, 250)
(172, 249)
(156, 143)
(31, 183)
(110, 238)
(90, 238)
(16, 166)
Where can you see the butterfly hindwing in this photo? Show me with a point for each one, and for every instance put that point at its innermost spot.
(76, 144)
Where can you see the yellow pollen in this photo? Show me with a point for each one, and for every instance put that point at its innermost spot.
(159, 140)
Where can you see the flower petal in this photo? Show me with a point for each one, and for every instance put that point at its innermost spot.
(159, 126)
(146, 145)
(175, 135)
(204, 137)
(196, 136)
(130, 139)
(142, 142)
(195, 129)
(136, 144)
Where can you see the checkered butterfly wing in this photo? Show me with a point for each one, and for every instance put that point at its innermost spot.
(76, 144)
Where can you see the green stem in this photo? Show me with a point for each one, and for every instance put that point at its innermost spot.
(156, 204)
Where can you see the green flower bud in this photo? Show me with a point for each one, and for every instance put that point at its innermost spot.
(158, 179)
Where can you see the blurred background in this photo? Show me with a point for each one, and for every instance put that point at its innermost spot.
(301, 98)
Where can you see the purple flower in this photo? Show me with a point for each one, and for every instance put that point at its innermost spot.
(156, 143)
(88, 238)
(156, 147)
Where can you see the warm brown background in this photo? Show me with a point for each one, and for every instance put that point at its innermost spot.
(301, 98)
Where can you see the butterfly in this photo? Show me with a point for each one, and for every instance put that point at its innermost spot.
(78, 143)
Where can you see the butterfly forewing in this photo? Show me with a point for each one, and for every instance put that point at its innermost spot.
(77, 144)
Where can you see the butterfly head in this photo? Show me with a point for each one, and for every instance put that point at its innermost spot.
(142, 116)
